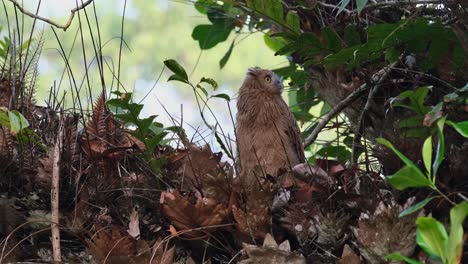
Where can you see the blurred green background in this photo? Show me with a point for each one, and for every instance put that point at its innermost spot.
(153, 32)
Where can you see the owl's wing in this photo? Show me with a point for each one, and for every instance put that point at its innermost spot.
(294, 134)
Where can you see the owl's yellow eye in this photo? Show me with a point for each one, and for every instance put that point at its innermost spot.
(268, 79)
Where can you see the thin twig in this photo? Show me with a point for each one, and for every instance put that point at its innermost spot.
(370, 98)
(48, 21)
(54, 196)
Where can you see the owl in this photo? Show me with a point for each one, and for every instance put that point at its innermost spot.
(267, 133)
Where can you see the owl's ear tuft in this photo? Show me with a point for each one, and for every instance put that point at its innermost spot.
(253, 71)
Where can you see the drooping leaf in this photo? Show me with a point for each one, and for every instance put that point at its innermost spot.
(209, 36)
(416, 207)
(460, 127)
(433, 234)
(226, 56)
(407, 161)
(211, 82)
(177, 69)
(223, 95)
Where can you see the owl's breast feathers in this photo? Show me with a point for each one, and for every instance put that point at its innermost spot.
(267, 133)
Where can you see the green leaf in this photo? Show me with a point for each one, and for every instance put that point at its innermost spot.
(408, 177)
(351, 36)
(454, 249)
(360, 4)
(339, 152)
(427, 154)
(4, 119)
(226, 56)
(176, 77)
(223, 146)
(399, 257)
(392, 54)
(211, 82)
(439, 157)
(407, 161)
(274, 9)
(177, 69)
(293, 22)
(416, 207)
(342, 5)
(209, 36)
(460, 127)
(433, 234)
(223, 95)
(332, 40)
(275, 43)
(289, 48)
(17, 122)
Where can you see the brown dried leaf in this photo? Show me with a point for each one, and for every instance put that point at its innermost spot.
(112, 247)
(184, 215)
(193, 164)
(384, 232)
(134, 224)
(349, 257)
(44, 170)
(272, 253)
(251, 209)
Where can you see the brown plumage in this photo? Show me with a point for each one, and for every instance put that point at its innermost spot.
(267, 132)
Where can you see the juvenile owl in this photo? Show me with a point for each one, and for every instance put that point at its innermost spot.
(267, 132)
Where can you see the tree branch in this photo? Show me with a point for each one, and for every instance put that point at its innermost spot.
(380, 75)
(334, 111)
(48, 21)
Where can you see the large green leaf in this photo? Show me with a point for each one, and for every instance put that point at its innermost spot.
(17, 121)
(209, 36)
(454, 249)
(433, 234)
(460, 127)
(407, 161)
(408, 177)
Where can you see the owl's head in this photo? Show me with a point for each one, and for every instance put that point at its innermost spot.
(264, 79)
